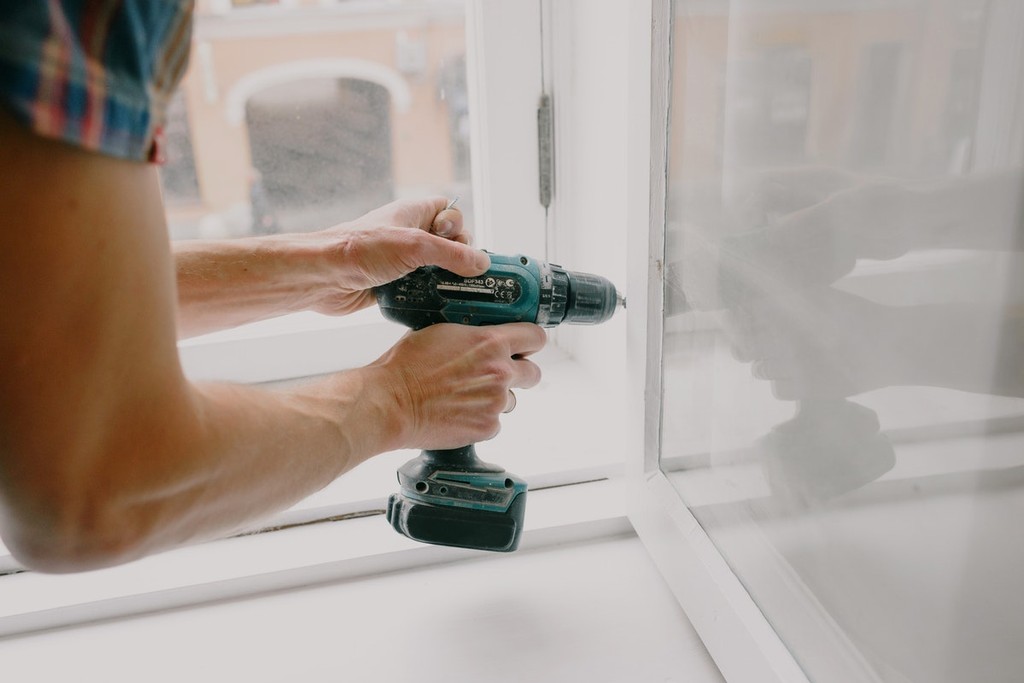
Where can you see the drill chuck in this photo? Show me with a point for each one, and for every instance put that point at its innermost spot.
(591, 299)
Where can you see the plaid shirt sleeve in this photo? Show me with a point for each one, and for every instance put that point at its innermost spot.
(95, 73)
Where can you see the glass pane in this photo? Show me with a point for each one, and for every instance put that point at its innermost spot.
(844, 323)
(295, 116)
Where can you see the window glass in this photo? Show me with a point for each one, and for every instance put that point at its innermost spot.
(844, 323)
(178, 174)
(320, 148)
(295, 116)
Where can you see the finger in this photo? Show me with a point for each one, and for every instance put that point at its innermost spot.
(457, 257)
(449, 224)
(528, 374)
(425, 211)
(523, 339)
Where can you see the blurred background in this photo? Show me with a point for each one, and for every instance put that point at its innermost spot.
(295, 115)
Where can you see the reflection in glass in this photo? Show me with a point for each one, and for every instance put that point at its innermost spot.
(844, 324)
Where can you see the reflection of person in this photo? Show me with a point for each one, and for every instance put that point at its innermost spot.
(833, 344)
(813, 340)
(828, 448)
(767, 260)
(107, 452)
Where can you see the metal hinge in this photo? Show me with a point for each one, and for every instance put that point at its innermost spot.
(545, 150)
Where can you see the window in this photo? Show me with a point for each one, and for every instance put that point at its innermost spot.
(178, 174)
(320, 149)
(305, 115)
(453, 90)
(834, 415)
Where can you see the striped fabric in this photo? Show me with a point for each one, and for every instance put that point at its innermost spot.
(94, 73)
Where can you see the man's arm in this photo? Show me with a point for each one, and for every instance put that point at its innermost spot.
(107, 452)
(230, 282)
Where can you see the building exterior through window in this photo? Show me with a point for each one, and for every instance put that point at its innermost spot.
(295, 116)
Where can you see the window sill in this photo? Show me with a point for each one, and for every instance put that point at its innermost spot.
(296, 345)
(303, 556)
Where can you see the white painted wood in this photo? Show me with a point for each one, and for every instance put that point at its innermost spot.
(596, 611)
(586, 55)
(299, 345)
(504, 80)
(742, 643)
(304, 556)
(645, 249)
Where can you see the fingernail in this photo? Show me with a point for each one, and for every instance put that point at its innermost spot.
(483, 261)
(445, 228)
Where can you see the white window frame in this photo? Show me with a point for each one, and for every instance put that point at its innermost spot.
(737, 635)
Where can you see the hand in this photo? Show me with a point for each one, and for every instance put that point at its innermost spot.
(390, 242)
(450, 383)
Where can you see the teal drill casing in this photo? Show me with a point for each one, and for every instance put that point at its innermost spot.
(451, 497)
(510, 291)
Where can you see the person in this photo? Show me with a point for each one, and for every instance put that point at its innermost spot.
(107, 452)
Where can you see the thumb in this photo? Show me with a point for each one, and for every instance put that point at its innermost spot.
(457, 257)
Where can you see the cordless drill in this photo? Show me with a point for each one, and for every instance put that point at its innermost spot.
(451, 497)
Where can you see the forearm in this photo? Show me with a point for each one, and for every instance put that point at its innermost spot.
(249, 452)
(333, 271)
(201, 462)
(223, 284)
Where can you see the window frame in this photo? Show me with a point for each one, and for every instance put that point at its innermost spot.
(736, 633)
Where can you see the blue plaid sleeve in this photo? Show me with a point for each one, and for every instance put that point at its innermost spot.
(95, 73)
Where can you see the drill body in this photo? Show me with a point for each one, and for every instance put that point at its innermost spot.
(451, 497)
(514, 289)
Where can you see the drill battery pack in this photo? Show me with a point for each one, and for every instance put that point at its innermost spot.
(459, 527)
(451, 497)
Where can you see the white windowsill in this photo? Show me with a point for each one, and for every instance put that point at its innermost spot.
(590, 611)
(297, 557)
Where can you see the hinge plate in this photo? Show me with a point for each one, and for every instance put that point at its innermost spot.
(545, 149)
